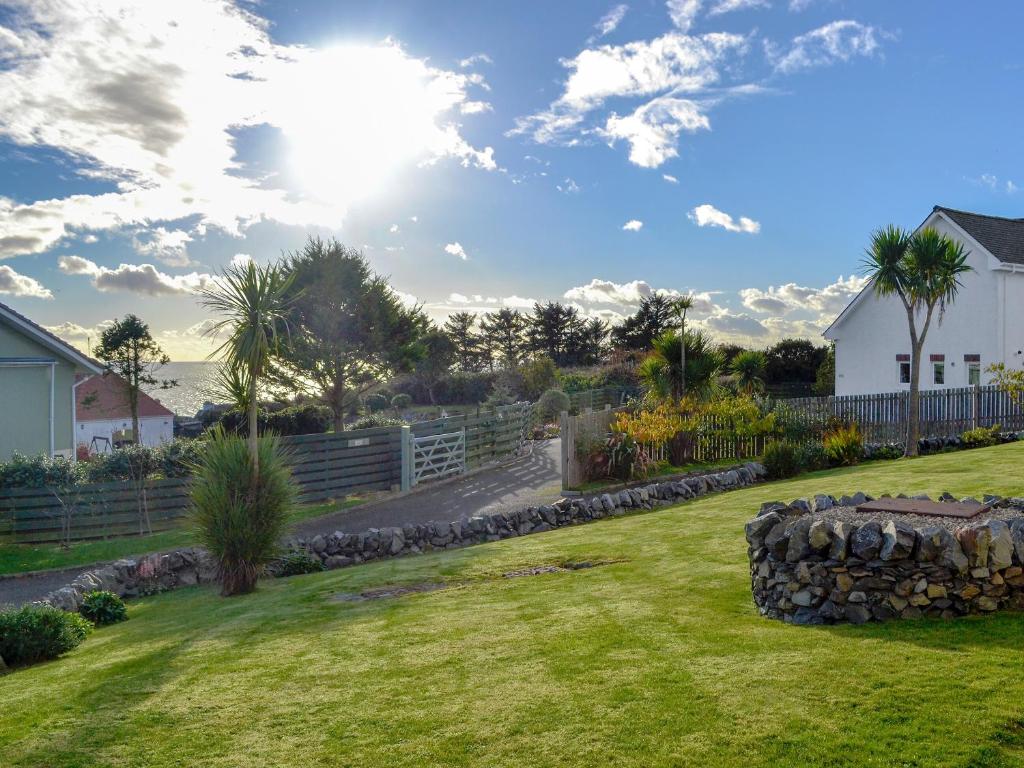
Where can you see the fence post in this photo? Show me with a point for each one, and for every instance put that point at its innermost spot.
(975, 406)
(407, 458)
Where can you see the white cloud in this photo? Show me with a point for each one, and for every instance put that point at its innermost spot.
(994, 183)
(683, 13)
(728, 6)
(476, 58)
(14, 284)
(610, 21)
(734, 326)
(670, 178)
(456, 249)
(151, 96)
(475, 107)
(836, 41)
(240, 260)
(393, 228)
(135, 278)
(568, 187)
(633, 225)
(665, 73)
(414, 219)
(785, 299)
(168, 246)
(707, 215)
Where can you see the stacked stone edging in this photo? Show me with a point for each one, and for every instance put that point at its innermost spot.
(132, 577)
(810, 567)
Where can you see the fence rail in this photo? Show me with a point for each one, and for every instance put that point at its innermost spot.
(324, 466)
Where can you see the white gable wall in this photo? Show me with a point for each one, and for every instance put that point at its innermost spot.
(875, 331)
(155, 430)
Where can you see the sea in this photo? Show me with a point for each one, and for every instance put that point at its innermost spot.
(195, 380)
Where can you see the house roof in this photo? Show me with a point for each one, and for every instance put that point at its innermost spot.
(48, 340)
(106, 397)
(1002, 237)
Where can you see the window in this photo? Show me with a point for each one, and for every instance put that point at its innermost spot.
(939, 373)
(904, 373)
(973, 373)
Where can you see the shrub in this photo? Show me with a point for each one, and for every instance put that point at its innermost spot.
(297, 563)
(241, 515)
(551, 404)
(132, 463)
(844, 445)
(102, 608)
(377, 402)
(376, 420)
(401, 401)
(535, 376)
(178, 457)
(35, 633)
(38, 472)
(886, 451)
(981, 437)
(811, 456)
(306, 419)
(781, 459)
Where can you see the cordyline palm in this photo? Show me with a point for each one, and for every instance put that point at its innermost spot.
(748, 368)
(679, 306)
(661, 371)
(251, 301)
(923, 270)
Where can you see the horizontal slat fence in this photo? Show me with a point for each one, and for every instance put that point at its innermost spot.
(598, 399)
(325, 466)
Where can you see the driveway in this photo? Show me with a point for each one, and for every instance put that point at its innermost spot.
(529, 481)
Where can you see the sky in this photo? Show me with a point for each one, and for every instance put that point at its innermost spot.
(491, 154)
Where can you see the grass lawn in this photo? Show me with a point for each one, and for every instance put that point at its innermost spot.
(659, 660)
(664, 471)
(18, 558)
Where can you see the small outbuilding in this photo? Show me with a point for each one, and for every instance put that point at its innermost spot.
(104, 416)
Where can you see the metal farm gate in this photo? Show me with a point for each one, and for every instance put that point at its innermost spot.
(432, 457)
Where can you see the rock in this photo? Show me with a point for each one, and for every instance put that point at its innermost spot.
(1000, 549)
(935, 591)
(898, 541)
(986, 604)
(819, 536)
(757, 529)
(798, 547)
(803, 597)
(841, 532)
(777, 540)
(866, 541)
(844, 582)
(939, 545)
(857, 613)
(821, 502)
(857, 597)
(318, 544)
(975, 542)
(898, 603)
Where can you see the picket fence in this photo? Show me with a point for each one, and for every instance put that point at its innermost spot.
(324, 466)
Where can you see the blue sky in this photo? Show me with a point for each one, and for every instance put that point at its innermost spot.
(492, 154)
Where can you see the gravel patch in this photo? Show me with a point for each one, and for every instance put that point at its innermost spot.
(859, 517)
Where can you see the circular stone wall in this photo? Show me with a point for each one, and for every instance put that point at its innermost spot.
(822, 561)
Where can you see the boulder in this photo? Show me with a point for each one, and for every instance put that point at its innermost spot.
(898, 539)
(866, 541)
(820, 535)
(841, 532)
(798, 548)
(857, 613)
(939, 545)
(777, 540)
(975, 542)
(757, 529)
(1000, 549)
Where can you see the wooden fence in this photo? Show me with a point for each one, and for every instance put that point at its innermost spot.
(598, 399)
(579, 433)
(883, 417)
(325, 466)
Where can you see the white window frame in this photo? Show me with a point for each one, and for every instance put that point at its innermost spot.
(971, 369)
(899, 371)
(938, 365)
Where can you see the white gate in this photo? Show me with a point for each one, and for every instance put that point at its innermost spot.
(432, 457)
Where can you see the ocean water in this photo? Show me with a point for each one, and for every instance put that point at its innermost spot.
(194, 383)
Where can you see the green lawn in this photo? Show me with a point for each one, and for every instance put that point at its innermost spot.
(660, 660)
(18, 558)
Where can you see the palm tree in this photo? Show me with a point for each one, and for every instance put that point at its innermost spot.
(748, 368)
(662, 373)
(923, 270)
(251, 300)
(679, 306)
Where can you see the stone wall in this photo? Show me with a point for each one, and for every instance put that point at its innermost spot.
(187, 567)
(820, 561)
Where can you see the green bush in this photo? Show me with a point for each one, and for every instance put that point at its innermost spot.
(981, 437)
(375, 420)
(401, 401)
(178, 457)
(811, 456)
(535, 376)
(844, 445)
(38, 472)
(377, 402)
(240, 514)
(781, 459)
(297, 563)
(102, 608)
(306, 419)
(551, 404)
(131, 463)
(35, 633)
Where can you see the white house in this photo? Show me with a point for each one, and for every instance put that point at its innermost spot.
(104, 417)
(984, 325)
